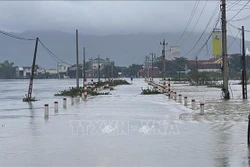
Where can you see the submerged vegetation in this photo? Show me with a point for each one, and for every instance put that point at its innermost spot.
(27, 99)
(148, 91)
(93, 91)
(203, 79)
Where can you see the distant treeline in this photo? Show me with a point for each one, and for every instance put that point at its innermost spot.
(7, 70)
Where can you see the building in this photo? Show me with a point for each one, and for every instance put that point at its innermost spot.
(71, 71)
(247, 52)
(93, 66)
(40, 71)
(62, 69)
(19, 72)
(23, 72)
(52, 73)
(211, 65)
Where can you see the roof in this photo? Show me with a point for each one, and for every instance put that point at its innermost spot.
(20, 68)
(26, 67)
(216, 60)
(99, 59)
(209, 66)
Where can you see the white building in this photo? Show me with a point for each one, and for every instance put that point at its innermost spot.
(247, 52)
(62, 68)
(52, 71)
(23, 72)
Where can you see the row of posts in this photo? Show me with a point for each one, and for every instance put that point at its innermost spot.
(173, 95)
(46, 106)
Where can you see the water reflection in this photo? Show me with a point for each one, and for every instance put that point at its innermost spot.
(31, 140)
(32, 122)
(222, 147)
(248, 156)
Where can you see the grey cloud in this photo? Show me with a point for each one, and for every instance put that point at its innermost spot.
(107, 17)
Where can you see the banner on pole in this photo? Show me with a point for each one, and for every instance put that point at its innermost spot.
(216, 43)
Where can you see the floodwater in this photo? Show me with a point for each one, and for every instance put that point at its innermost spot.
(122, 129)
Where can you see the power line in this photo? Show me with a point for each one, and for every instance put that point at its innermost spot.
(234, 37)
(241, 19)
(202, 35)
(189, 20)
(213, 14)
(241, 4)
(240, 10)
(207, 38)
(16, 37)
(57, 59)
(233, 5)
(237, 27)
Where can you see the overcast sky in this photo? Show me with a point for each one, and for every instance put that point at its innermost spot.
(112, 17)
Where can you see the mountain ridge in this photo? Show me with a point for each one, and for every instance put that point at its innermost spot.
(123, 49)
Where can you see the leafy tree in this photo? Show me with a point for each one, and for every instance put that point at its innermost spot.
(173, 66)
(133, 69)
(7, 71)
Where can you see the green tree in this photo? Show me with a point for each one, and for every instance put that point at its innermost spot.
(133, 69)
(7, 70)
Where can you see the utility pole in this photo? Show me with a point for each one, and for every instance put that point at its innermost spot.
(112, 70)
(244, 76)
(224, 50)
(147, 65)
(32, 72)
(108, 69)
(99, 68)
(77, 63)
(92, 69)
(152, 68)
(84, 67)
(196, 65)
(164, 62)
(196, 70)
(179, 76)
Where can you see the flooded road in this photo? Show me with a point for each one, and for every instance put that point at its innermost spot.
(122, 129)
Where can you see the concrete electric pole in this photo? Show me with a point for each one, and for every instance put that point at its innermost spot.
(244, 75)
(164, 61)
(77, 62)
(224, 50)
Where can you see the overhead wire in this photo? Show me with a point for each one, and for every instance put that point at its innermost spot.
(189, 20)
(241, 19)
(207, 38)
(234, 38)
(233, 5)
(196, 22)
(16, 37)
(57, 59)
(209, 22)
(245, 30)
(240, 10)
(213, 14)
